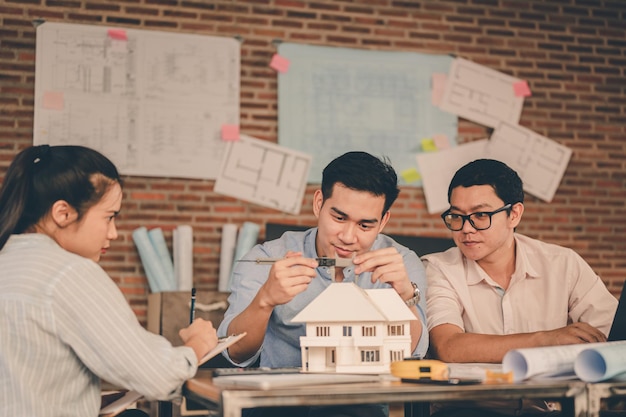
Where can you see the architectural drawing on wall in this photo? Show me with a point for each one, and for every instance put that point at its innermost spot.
(333, 100)
(481, 94)
(438, 168)
(154, 102)
(539, 161)
(264, 173)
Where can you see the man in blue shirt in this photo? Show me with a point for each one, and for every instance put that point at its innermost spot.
(352, 208)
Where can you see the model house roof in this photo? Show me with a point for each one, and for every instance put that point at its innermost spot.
(347, 302)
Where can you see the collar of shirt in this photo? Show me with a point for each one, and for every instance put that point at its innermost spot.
(523, 268)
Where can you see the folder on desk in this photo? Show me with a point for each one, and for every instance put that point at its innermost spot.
(271, 381)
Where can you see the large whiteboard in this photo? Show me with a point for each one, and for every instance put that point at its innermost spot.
(153, 102)
(333, 100)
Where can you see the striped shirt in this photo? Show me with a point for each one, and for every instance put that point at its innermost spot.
(64, 326)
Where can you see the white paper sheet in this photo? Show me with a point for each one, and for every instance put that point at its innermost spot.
(183, 257)
(154, 103)
(438, 168)
(481, 94)
(264, 173)
(227, 254)
(540, 162)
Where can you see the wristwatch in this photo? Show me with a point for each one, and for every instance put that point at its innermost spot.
(417, 294)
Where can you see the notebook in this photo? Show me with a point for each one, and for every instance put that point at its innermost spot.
(618, 328)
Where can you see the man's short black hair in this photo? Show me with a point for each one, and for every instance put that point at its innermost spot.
(361, 171)
(504, 180)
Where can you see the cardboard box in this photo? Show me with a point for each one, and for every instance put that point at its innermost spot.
(168, 312)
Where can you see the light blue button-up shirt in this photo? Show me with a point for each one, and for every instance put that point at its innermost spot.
(281, 346)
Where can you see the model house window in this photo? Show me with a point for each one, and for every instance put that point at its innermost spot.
(347, 331)
(322, 331)
(395, 330)
(396, 355)
(368, 331)
(370, 356)
(332, 356)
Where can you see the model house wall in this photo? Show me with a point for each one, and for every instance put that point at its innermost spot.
(352, 330)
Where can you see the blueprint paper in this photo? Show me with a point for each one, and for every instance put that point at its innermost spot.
(227, 254)
(334, 100)
(158, 243)
(605, 361)
(481, 94)
(540, 162)
(183, 257)
(264, 173)
(157, 277)
(154, 103)
(438, 168)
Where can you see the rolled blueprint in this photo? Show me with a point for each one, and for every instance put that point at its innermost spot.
(227, 253)
(183, 257)
(246, 239)
(157, 279)
(164, 257)
(602, 362)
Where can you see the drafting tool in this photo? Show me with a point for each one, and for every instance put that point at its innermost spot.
(323, 261)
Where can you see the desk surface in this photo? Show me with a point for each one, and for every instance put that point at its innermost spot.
(232, 400)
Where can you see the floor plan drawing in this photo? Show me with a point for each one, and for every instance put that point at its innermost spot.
(264, 173)
(481, 94)
(539, 161)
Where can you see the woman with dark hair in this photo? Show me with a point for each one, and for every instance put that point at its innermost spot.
(64, 324)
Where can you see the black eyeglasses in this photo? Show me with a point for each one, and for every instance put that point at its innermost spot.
(481, 220)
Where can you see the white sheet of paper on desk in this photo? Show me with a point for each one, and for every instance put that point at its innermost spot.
(481, 94)
(271, 381)
(264, 173)
(438, 168)
(539, 161)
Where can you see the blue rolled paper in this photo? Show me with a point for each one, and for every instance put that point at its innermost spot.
(158, 242)
(157, 279)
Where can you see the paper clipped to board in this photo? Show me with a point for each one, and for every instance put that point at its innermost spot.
(223, 344)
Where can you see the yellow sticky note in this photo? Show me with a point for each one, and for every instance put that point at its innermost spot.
(428, 145)
(410, 175)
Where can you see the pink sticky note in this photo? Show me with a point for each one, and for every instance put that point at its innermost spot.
(53, 100)
(230, 132)
(117, 34)
(279, 63)
(521, 89)
(437, 87)
(441, 141)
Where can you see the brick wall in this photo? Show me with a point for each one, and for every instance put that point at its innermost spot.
(572, 52)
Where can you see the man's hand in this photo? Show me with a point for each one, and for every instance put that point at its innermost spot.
(386, 265)
(572, 334)
(287, 278)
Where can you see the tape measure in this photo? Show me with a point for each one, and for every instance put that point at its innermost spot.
(420, 369)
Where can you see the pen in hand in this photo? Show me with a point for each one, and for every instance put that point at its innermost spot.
(192, 308)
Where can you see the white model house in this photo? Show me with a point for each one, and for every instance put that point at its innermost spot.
(352, 330)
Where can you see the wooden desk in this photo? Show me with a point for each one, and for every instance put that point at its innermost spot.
(230, 402)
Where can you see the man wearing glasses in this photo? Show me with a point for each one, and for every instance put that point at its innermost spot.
(499, 290)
